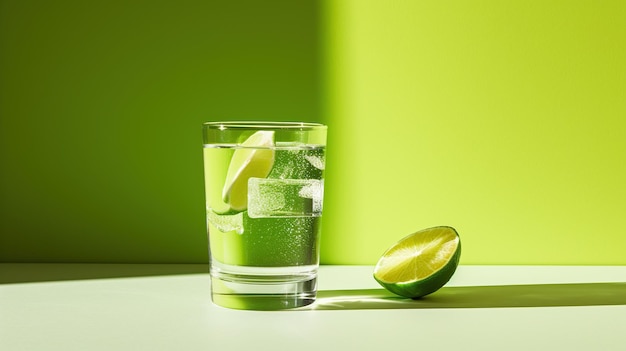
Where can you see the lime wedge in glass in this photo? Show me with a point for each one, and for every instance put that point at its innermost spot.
(255, 158)
(420, 263)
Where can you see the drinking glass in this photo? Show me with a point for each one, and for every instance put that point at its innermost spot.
(264, 187)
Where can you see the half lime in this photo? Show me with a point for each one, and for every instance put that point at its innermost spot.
(420, 263)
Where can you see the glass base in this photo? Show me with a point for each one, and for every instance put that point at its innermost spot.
(259, 295)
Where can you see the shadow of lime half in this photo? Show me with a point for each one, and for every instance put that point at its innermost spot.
(540, 295)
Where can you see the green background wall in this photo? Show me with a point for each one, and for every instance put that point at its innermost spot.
(101, 107)
(505, 120)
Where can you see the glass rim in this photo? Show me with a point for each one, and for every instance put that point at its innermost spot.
(222, 125)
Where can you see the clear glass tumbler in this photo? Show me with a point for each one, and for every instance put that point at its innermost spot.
(264, 185)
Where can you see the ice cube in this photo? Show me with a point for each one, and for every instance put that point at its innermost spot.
(284, 197)
(314, 190)
(298, 164)
(316, 161)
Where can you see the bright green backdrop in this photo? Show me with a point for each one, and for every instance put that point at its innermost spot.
(503, 119)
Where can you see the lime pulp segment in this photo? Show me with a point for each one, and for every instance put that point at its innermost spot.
(255, 158)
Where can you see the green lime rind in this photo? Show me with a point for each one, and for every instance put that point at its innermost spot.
(430, 284)
(228, 212)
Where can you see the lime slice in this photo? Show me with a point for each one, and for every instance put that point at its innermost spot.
(255, 158)
(420, 263)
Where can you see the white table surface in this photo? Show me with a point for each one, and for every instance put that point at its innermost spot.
(168, 307)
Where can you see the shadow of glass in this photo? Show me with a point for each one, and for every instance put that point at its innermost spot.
(12, 273)
(540, 295)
